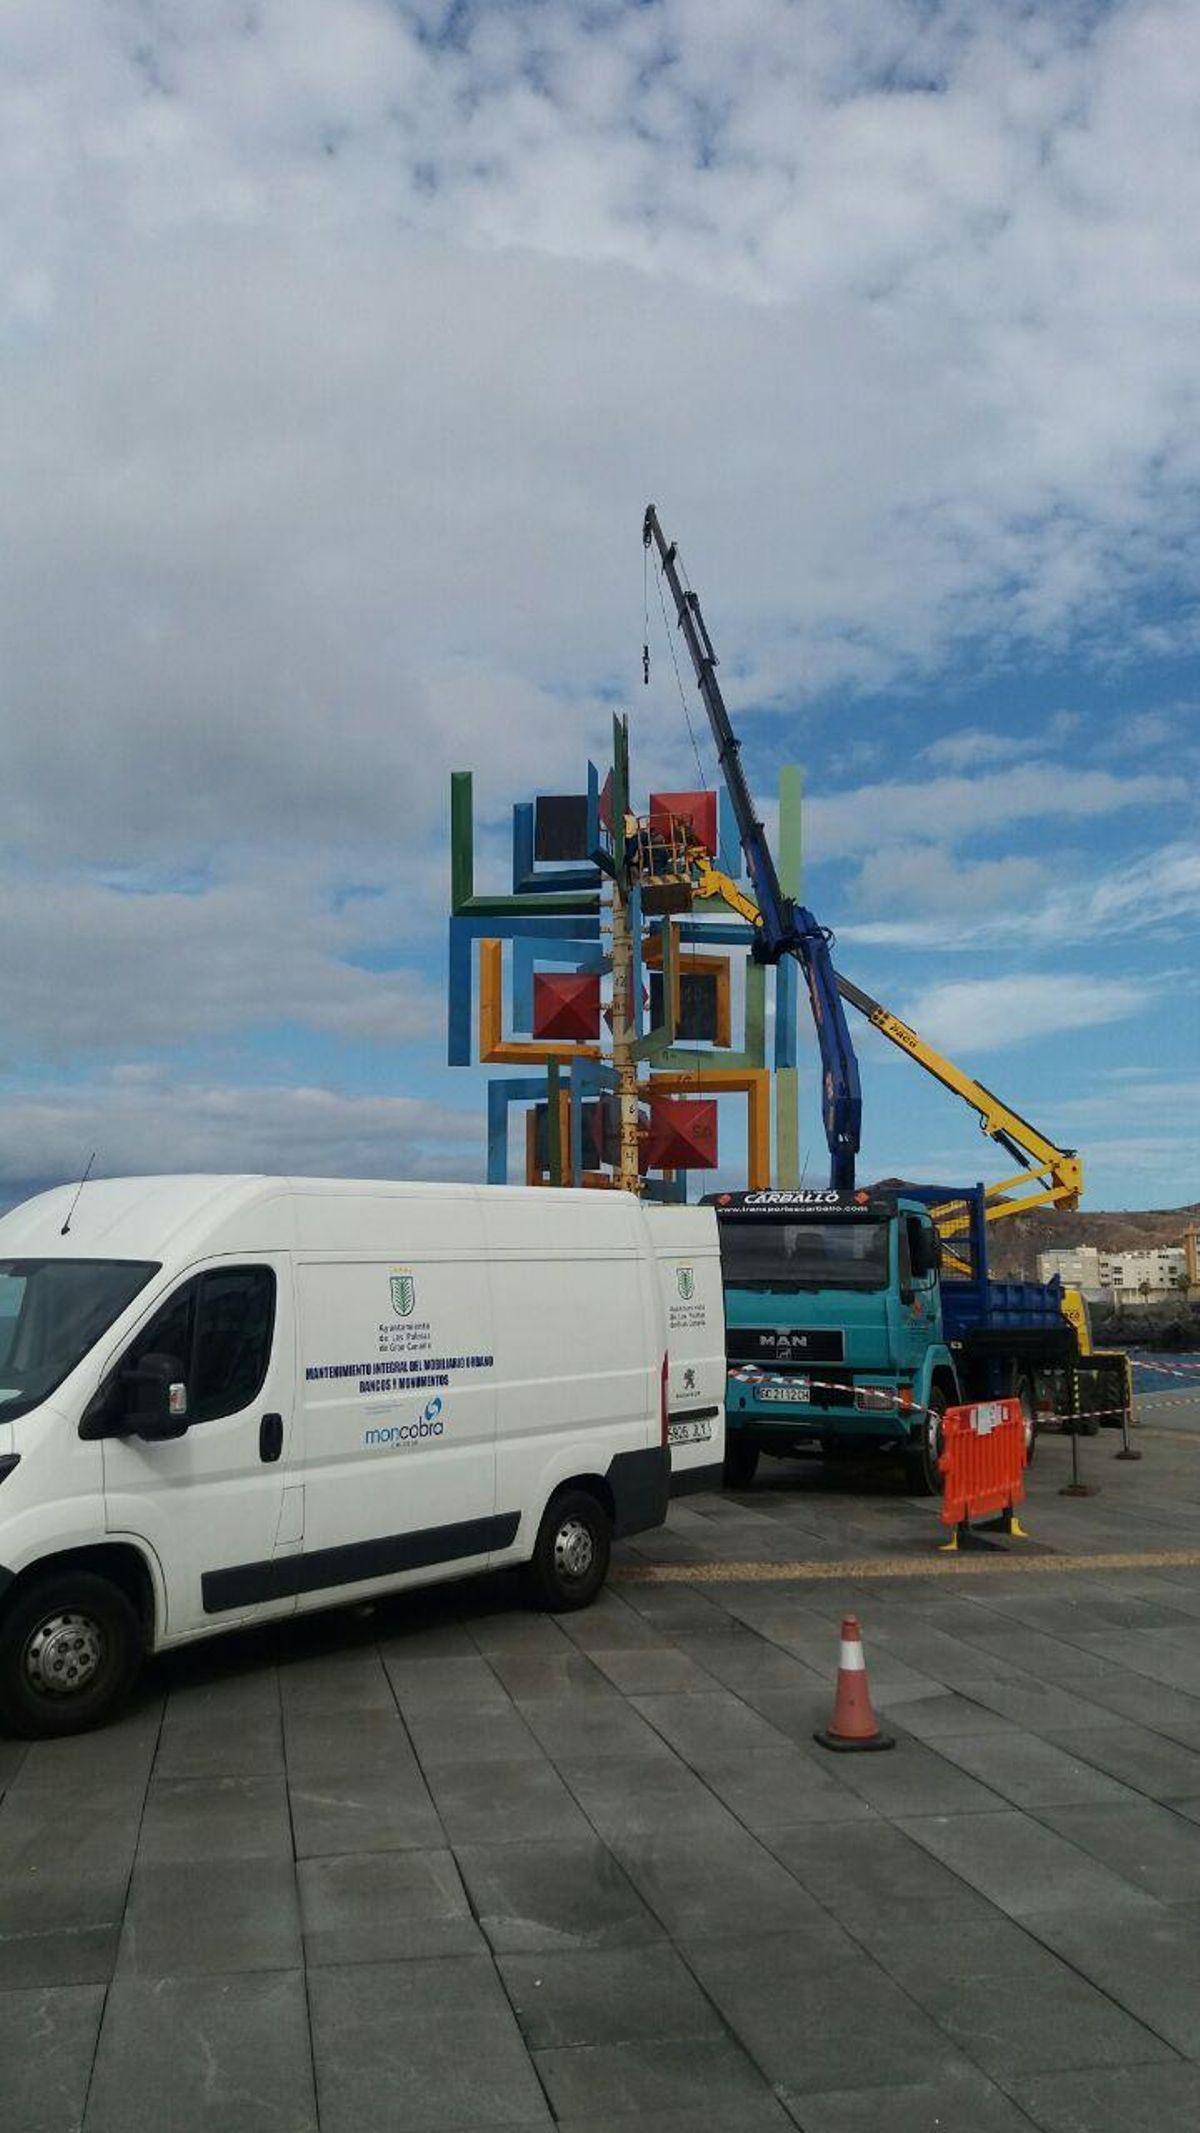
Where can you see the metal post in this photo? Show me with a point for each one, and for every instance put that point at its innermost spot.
(624, 1064)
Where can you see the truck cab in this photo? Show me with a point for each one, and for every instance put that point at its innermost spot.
(834, 1327)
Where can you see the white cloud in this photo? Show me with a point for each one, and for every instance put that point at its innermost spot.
(143, 1120)
(1158, 896)
(965, 1017)
(954, 808)
(926, 878)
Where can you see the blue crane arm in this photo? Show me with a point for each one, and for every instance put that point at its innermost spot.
(785, 928)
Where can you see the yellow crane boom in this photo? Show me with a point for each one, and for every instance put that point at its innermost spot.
(1049, 1176)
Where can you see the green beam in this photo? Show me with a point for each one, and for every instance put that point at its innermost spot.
(791, 797)
(787, 1129)
(463, 900)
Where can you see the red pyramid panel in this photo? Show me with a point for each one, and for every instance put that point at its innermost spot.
(566, 1003)
(682, 1134)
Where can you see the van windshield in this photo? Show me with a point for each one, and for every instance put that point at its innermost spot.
(804, 1255)
(51, 1312)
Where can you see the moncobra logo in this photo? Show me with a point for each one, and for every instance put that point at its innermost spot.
(429, 1425)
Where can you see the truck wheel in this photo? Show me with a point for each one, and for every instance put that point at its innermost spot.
(570, 1557)
(921, 1463)
(70, 1649)
(741, 1460)
(1023, 1391)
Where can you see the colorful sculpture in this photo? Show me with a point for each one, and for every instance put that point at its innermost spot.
(609, 966)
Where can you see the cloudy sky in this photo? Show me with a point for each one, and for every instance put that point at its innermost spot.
(343, 342)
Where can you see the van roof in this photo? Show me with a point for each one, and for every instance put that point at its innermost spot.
(158, 1217)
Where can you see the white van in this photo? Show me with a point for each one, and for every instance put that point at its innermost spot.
(688, 1252)
(224, 1400)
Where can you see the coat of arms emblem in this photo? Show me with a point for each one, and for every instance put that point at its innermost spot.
(404, 1294)
(686, 1278)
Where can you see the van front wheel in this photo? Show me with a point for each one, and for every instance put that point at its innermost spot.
(570, 1559)
(70, 1648)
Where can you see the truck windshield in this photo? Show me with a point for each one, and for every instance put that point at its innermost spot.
(51, 1312)
(804, 1255)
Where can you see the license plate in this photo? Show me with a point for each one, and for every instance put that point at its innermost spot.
(697, 1432)
(793, 1395)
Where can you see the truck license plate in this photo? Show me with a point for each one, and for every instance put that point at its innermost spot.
(793, 1395)
(695, 1432)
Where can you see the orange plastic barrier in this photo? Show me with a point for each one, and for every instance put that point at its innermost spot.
(982, 1461)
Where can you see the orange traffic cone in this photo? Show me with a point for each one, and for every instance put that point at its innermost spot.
(854, 1724)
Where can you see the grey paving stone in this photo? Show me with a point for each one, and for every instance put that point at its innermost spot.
(59, 1928)
(77, 1829)
(928, 1717)
(47, 2043)
(914, 1780)
(193, 1746)
(1015, 2025)
(605, 1996)
(750, 2114)
(1139, 1757)
(653, 1671)
(204, 2055)
(729, 1886)
(927, 1954)
(1148, 1845)
(1018, 1864)
(773, 1788)
(545, 1677)
(215, 1818)
(700, 2075)
(713, 1724)
(452, 1677)
(366, 1811)
(961, 2100)
(338, 1681)
(346, 1743)
(211, 1918)
(501, 1803)
(1142, 2099)
(1040, 1706)
(746, 1663)
(873, 1874)
(818, 2025)
(1146, 1959)
(471, 1733)
(384, 1907)
(666, 1608)
(570, 1893)
(420, 2047)
(517, 1629)
(118, 1754)
(603, 1727)
(632, 1795)
(1030, 1771)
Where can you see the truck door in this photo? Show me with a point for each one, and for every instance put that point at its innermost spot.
(211, 1502)
(917, 1284)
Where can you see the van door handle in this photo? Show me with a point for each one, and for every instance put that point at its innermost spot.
(270, 1437)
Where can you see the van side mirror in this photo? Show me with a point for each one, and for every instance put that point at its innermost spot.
(151, 1399)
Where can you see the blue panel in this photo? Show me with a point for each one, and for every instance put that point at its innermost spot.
(524, 1088)
(785, 1012)
(729, 858)
(734, 935)
(522, 845)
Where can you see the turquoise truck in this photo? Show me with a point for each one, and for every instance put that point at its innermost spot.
(846, 1334)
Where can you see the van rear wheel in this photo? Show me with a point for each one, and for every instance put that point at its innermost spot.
(571, 1554)
(70, 1649)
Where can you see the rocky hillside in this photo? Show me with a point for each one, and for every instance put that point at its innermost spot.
(1016, 1241)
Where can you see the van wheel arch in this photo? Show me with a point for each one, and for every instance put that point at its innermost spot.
(73, 1634)
(117, 1561)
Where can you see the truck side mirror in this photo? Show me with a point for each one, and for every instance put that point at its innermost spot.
(926, 1252)
(152, 1399)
